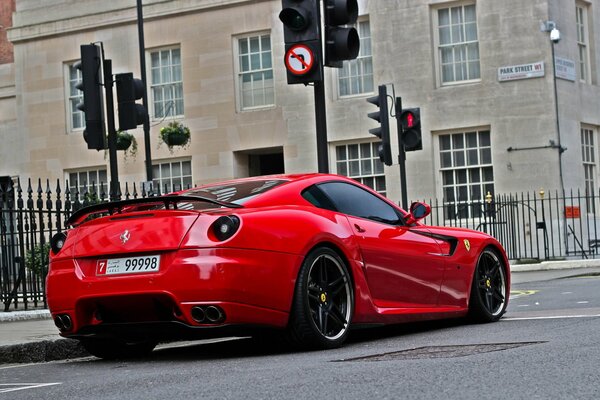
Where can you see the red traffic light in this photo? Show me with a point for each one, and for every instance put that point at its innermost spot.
(410, 119)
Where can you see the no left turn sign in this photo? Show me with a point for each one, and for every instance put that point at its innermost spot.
(299, 59)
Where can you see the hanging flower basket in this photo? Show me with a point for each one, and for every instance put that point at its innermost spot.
(175, 134)
(124, 140)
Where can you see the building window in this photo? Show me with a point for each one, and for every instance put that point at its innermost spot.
(467, 173)
(361, 163)
(172, 176)
(582, 41)
(76, 117)
(588, 153)
(167, 82)
(356, 76)
(88, 181)
(458, 45)
(256, 86)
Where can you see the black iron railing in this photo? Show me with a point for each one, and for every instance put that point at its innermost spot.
(530, 226)
(29, 218)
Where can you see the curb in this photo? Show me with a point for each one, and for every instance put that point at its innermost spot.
(555, 265)
(13, 316)
(46, 350)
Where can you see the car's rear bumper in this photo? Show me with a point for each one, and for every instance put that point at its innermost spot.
(251, 288)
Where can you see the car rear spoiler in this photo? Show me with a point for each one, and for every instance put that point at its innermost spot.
(116, 207)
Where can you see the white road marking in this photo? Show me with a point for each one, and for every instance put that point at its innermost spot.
(567, 293)
(13, 387)
(523, 305)
(550, 317)
(582, 302)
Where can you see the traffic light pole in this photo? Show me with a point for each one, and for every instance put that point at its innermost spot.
(321, 124)
(320, 108)
(401, 154)
(112, 132)
(140, 23)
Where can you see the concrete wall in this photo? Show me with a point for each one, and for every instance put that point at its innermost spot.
(518, 113)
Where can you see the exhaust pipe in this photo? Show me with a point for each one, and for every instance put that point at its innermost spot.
(63, 322)
(58, 322)
(198, 314)
(66, 322)
(214, 314)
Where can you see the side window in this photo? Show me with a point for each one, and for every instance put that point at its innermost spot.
(317, 198)
(352, 200)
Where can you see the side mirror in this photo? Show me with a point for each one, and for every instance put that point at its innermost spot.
(418, 211)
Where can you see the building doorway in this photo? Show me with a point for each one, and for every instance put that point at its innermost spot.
(258, 162)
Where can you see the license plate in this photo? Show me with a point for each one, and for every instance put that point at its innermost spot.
(128, 265)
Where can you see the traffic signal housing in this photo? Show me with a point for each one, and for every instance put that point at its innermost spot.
(341, 42)
(410, 119)
(383, 130)
(93, 100)
(130, 89)
(301, 30)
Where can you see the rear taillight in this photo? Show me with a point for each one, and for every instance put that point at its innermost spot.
(225, 227)
(58, 241)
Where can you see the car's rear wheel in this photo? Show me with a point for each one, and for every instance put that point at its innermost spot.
(489, 288)
(323, 301)
(110, 349)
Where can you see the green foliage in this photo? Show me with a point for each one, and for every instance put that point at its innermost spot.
(175, 134)
(126, 142)
(36, 259)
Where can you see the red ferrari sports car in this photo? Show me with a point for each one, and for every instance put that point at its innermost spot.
(310, 255)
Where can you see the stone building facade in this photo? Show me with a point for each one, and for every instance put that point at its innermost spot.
(480, 71)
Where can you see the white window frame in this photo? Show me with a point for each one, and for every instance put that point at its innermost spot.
(239, 73)
(469, 182)
(359, 64)
(95, 182)
(183, 180)
(583, 41)
(589, 156)
(168, 111)
(365, 167)
(70, 111)
(463, 43)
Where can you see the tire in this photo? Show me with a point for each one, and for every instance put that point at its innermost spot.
(323, 303)
(116, 349)
(489, 291)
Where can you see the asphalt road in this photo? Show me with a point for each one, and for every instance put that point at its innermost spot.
(546, 347)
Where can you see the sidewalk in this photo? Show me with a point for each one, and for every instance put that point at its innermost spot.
(30, 336)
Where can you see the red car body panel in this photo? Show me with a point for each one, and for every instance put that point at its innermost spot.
(399, 273)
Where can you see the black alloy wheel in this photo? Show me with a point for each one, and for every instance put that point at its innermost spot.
(489, 290)
(323, 301)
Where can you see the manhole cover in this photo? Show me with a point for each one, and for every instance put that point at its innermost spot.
(440, 352)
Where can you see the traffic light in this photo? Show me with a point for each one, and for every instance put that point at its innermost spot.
(93, 100)
(301, 30)
(383, 131)
(410, 119)
(341, 43)
(130, 89)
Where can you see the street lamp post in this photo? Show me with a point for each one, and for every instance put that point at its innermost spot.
(550, 26)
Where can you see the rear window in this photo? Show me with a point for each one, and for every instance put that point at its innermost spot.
(237, 193)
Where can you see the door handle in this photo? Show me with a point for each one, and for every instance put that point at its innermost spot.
(359, 229)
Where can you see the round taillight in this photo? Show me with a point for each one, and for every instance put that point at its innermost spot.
(225, 227)
(58, 241)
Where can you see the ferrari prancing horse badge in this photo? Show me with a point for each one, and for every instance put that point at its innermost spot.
(467, 244)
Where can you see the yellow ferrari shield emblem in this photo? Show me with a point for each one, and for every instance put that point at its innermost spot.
(467, 244)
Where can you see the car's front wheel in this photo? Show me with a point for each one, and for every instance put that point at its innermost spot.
(323, 301)
(117, 349)
(489, 288)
